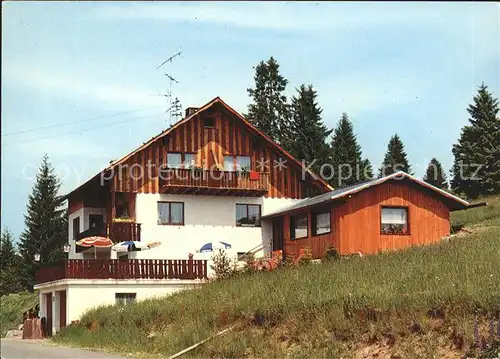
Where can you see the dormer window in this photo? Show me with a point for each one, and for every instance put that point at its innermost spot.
(209, 122)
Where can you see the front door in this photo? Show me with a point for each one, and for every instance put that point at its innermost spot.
(278, 234)
(62, 309)
(48, 314)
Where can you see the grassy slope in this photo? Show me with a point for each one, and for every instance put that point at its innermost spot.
(12, 307)
(322, 310)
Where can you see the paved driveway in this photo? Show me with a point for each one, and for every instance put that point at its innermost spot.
(27, 349)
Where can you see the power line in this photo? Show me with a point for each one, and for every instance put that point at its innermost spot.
(68, 123)
(89, 129)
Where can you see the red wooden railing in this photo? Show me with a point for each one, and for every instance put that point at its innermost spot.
(123, 269)
(116, 231)
(213, 179)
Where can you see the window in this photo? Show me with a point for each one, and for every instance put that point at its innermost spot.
(248, 215)
(76, 227)
(174, 160)
(125, 298)
(242, 163)
(298, 226)
(321, 223)
(209, 122)
(189, 160)
(394, 220)
(171, 213)
(228, 163)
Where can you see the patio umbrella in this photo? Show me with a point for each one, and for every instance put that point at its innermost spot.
(130, 246)
(209, 247)
(95, 241)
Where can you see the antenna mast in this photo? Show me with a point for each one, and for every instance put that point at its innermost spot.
(174, 107)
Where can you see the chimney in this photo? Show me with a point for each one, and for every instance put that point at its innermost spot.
(190, 111)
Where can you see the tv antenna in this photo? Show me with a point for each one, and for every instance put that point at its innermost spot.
(174, 107)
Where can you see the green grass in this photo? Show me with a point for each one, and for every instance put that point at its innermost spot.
(327, 310)
(12, 307)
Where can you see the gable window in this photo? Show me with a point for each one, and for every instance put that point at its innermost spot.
(298, 226)
(174, 160)
(76, 227)
(209, 122)
(321, 223)
(242, 163)
(171, 213)
(248, 215)
(228, 163)
(189, 160)
(125, 298)
(394, 220)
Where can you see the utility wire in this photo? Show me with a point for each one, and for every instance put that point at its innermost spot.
(89, 129)
(68, 123)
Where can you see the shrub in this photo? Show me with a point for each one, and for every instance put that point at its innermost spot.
(222, 265)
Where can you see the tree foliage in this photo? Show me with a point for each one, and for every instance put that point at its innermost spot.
(269, 111)
(476, 168)
(46, 225)
(10, 265)
(435, 175)
(308, 134)
(395, 158)
(346, 156)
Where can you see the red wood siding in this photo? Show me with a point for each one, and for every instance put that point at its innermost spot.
(229, 137)
(356, 222)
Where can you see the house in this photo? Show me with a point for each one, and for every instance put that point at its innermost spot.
(210, 177)
(213, 177)
(389, 213)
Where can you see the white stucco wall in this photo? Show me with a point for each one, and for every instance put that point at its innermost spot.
(206, 219)
(83, 295)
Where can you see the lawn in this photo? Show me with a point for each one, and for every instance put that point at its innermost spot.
(413, 303)
(12, 307)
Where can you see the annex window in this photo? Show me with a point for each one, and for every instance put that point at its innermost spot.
(243, 163)
(321, 223)
(125, 298)
(171, 213)
(394, 220)
(76, 227)
(298, 226)
(228, 163)
(209, 122)
(174, 160)
(248, 215)
(189, 160)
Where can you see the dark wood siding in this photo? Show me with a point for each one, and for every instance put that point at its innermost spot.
(229, 137)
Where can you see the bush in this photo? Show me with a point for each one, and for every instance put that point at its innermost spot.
(222, 266)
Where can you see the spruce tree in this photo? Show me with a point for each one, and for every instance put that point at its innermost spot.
(348, 166)
(395, 158)
(435, 175)
(269, 110)
(308, 133)
(10, 265)
(476, 169)
(46, 227)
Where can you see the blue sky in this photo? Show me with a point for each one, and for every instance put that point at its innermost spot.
(407, 68)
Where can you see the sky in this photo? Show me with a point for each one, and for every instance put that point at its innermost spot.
(80, 80)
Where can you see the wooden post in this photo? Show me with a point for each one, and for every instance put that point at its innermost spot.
(113, 205)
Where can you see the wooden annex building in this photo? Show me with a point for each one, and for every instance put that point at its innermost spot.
(389, 213)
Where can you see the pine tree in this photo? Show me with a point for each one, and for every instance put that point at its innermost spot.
(308, 133)
(269, 111)
(46, 226)
(348, 166)
(435, 175)
(476, 169)
(10, 265)
(395, 158)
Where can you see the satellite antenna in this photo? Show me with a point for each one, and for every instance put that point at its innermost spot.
(174, 108)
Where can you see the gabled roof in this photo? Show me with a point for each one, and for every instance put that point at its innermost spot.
(190, 117)
(345, 191)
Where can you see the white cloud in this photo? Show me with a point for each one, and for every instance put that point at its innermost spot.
(79, 86)
(285, 16)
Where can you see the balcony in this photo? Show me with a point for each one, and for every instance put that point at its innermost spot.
(116, 231)
(188, 269)
(213, 182)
